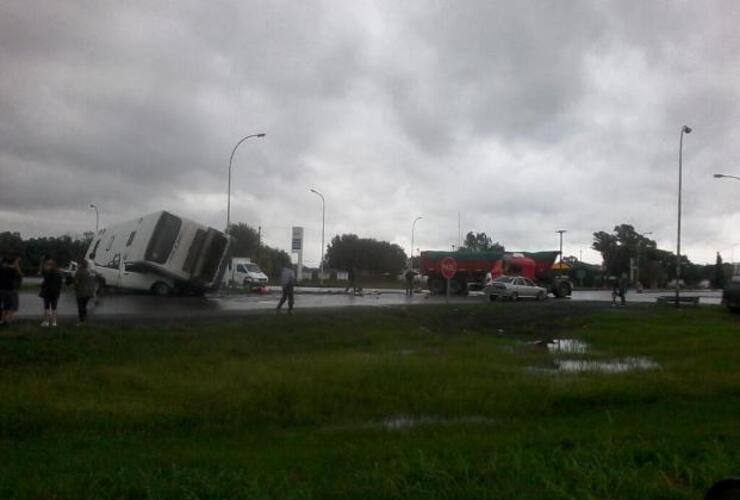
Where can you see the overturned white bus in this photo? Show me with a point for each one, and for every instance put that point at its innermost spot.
(160, 253)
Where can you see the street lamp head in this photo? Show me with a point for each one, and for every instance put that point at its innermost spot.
(687, 129)
(92, 205)
(261, 135)
(718, 176)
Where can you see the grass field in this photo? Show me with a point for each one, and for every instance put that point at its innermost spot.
(426, 402)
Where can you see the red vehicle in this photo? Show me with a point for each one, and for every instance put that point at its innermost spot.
(473, 267)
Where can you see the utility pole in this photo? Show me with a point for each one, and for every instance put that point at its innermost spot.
(413, 227)
(561, 232)
(684, 130)
(323, 220)
(97, 217)
(228, 189)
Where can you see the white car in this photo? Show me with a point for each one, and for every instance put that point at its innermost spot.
(514, 288)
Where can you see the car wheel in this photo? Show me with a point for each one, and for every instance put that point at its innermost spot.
(492, 298)
(540, 296)
(514, 297)
(161, 289)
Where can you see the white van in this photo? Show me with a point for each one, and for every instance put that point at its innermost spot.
(159, 253)
(243, 272)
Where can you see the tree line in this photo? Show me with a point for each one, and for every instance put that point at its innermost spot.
(625, 247)
(63, 249)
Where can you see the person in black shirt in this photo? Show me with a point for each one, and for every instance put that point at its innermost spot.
(10, 281)
(51, 288)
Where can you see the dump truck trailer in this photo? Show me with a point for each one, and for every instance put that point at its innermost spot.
(474, 267)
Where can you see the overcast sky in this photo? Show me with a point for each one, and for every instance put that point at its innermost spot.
(525, 117)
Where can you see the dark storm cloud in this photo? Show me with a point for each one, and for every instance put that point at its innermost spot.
(525, 116)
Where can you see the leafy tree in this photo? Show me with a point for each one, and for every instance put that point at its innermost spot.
(63, 249)
(246, 242)
(367, 255)
(480, 242)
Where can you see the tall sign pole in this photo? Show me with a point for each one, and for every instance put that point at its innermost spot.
(448, 268)
(296, 246)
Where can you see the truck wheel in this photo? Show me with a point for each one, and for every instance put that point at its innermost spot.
(562, 290)
(437, 286)
(457, 287)
(160, 289)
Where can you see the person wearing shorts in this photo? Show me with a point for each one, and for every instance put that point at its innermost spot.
(51, 288)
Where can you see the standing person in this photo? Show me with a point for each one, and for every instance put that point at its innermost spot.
(287, 281)
(622, 284)
(351, 279)
(84, 289)
(409, 275)
(51, 288)
(10, 282)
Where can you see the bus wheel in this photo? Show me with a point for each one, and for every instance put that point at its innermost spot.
(160, 289)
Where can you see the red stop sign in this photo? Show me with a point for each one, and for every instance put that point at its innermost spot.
(448, 267)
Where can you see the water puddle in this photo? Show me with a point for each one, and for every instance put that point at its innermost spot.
(403, 422)
(605, 366)
(559, 348)
(566, 346)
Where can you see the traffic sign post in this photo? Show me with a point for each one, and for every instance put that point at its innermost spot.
(448, 267)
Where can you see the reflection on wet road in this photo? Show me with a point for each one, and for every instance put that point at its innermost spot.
(145, 306)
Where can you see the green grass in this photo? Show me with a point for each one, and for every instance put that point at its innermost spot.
(298, 407)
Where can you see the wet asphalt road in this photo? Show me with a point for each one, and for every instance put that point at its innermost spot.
(125, 306)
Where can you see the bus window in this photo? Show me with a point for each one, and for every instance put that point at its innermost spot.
(195, 250)
(131, 238)
(163, 238)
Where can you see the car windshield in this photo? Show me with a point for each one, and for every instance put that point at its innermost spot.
(503, 279)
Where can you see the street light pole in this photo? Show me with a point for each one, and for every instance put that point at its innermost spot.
(413, 227)
(97, 217)
(684, 130)
(561, 232)
(323, 221)
(228, 192)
